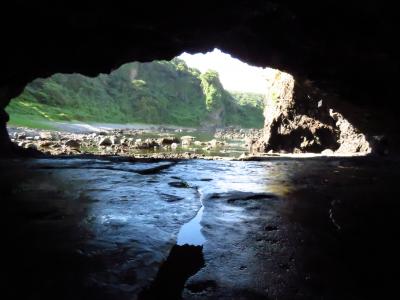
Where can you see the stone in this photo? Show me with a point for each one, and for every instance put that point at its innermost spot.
(213, 143)
(74, 144)
(168, 140)
(21, 136)
(45, 135)
(115, 140)
(350, 139)
(188, 137)
(56, 145)
(147, 144)
(31, 146)
(186, 143)
(106, 141)
(243, 155)
(327, 152)
(45, 144)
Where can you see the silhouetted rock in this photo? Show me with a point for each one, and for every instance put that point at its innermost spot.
(298, 120)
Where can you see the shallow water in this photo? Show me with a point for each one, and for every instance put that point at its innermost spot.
(231, 148)
(126, 193)
(190, 233)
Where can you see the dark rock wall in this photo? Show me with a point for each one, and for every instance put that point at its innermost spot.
(301, 118)
(348, 49)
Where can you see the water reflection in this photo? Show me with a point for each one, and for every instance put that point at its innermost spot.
(228, 177)
(190, 232)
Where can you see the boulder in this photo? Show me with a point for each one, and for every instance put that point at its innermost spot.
(74, 144)
(168, 140)
(21, 136)
(188, 137)
(45, 144)
(350, 139)
(106, 141)
(213, 143)
(56, 145)
(147, 144)
(327, 152)
(187, 140)
(243, 155)
(115, 140)
(31, 146)
(45, 135)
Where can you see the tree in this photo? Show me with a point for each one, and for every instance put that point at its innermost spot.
(212, 89)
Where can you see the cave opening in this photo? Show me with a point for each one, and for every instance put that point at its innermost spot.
(195, 105)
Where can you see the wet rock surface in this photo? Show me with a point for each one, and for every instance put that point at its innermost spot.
(278, 229)
(95, 230)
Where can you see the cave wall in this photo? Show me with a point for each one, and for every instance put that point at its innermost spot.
(300, 118)
(348, 50)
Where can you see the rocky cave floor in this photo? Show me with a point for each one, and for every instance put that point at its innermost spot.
(316, 228)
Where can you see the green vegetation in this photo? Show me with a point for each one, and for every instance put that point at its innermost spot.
(160, 92)
(212, 89)
(252, 99)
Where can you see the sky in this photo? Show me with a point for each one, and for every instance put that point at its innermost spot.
(234, 74)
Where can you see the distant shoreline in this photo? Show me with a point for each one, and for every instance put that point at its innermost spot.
(88, 127)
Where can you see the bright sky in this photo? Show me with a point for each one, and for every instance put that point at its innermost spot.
(234, 74)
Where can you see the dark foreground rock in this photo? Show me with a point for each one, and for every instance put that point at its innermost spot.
(322, 228)
(87, 229)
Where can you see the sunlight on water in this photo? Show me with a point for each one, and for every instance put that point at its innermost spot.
(226, 177)
(190, 233)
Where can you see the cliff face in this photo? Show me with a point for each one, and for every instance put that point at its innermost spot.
(298, 119)
(159, 92)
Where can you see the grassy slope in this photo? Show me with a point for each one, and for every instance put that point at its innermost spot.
(160, 92)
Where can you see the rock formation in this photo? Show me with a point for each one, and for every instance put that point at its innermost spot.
(298, 119)
(348, 49)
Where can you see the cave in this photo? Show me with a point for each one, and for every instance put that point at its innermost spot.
(89, 227)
